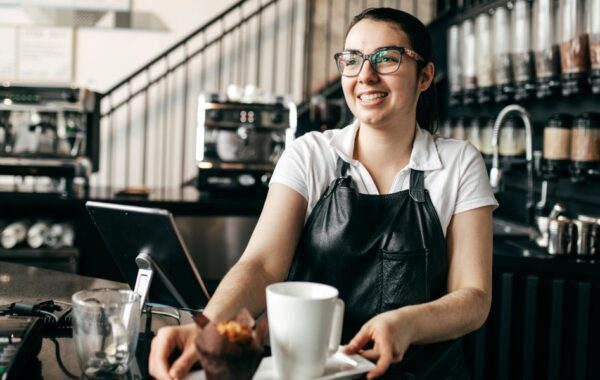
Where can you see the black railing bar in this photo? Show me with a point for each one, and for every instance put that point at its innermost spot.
(127, 136)
(290, 63)
(109, 148)
(177, 45)
(145, 140)
(415, 8)
(203, 64)
(328, 38)
(186, 75)
(346, 15)
(240, 48)
(308, 44)
(276, 27)
(258, 49)
(220, 65)
(164, 132)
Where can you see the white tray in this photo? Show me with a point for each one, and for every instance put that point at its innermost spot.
(339, 366)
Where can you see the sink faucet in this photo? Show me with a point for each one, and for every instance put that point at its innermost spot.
(495, 171)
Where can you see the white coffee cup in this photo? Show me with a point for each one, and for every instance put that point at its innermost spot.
(305, 327)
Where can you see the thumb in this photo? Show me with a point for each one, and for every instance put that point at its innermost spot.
(182, 365)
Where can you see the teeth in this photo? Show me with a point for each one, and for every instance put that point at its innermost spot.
(375, 96)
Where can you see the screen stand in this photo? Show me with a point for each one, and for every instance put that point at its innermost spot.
(147, 269)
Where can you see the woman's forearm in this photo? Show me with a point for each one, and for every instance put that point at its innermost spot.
(243, 286)
(454, 315)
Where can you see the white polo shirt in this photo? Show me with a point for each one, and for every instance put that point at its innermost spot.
(455, 174)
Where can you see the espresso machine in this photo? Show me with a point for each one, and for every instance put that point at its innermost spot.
(239, 140)
(49, 132)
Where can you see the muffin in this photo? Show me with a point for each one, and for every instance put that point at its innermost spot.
(230, 349)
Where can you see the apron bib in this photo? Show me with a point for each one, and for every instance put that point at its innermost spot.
(381, 252)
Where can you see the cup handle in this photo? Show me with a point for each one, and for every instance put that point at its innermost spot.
(335, 337)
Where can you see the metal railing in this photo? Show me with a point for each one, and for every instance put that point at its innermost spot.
(148, 121)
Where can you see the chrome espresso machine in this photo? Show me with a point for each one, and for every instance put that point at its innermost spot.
(240, 139)
(49, 132)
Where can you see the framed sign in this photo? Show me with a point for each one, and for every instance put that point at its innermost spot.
(45, 55)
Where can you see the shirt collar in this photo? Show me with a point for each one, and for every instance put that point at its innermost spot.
(424, 155)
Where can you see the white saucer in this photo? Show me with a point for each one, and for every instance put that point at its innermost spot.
(339, 366)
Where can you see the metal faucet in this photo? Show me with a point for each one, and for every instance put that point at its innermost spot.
(496, 172)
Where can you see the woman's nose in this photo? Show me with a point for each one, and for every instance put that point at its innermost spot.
(367, 73)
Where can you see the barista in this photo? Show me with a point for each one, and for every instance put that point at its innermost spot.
(396, 218)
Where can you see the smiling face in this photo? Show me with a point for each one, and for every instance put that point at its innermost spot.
(377, 100)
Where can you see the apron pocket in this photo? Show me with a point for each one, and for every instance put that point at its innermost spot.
(403, 278)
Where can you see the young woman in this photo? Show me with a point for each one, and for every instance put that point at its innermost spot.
(399, 220)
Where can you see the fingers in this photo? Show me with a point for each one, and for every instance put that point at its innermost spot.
(182, 365)
(360, 339)
(385, 359)
(162, 346)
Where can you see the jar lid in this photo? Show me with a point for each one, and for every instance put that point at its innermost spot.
(587, 120)
(560, 120)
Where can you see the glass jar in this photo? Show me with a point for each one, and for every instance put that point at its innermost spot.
(474, 133)
(574, 49)
(446, 130)
(459, 130)
(502, 59)
(454, 65)
(557, 145)
(487, 128)
(547, 58)
(585, 146)
(485, 58)
(469, 62)
(522, 54)
(593, 12)
(512, 138)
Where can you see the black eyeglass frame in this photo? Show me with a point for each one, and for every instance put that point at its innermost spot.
(367, 57)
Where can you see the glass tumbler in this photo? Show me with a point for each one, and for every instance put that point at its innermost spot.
(105, 329)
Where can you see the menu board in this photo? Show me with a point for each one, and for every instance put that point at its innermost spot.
(8, 50)
(45, 55)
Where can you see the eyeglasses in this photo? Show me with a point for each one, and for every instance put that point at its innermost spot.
(384, 60)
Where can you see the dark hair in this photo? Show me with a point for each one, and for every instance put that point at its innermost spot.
(420, 41)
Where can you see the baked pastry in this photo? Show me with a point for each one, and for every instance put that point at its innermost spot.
(231, 349)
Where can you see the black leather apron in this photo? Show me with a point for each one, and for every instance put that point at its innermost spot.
(381, 252)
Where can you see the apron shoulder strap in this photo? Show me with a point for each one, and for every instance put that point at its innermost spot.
(417, 185)
(342, 167)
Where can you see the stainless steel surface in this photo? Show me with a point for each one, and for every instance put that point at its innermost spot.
(582, 236)
(504, 228)
(496, 172)
(215, 242)
(560, 236)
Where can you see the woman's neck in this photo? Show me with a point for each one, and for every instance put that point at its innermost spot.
(384, 148)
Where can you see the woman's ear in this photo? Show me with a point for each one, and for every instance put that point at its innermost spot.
(426, 77)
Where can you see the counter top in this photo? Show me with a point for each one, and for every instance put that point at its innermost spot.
(20, 282)
(186, 200)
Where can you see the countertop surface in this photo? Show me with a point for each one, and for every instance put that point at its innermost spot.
(20, 282)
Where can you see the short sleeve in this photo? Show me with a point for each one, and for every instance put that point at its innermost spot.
(292, 168)
(474, 188)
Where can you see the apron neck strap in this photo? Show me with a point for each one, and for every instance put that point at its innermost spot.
(342, 167)
(417, 185)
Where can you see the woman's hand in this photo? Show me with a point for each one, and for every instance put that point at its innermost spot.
(391, 334)
(167, 340)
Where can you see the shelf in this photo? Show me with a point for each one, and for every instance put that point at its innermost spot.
(38, 253)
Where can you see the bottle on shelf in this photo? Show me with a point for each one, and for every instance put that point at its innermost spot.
(469, 62)
(522, 54)
(502, 58)
(557, 146)
(585, 147)
(593, 13)
(485, 58)
(547, 57)
(574, 50)
(454, 65)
